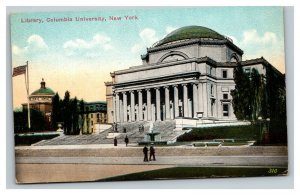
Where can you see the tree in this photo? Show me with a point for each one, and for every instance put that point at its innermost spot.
(81, 112)
(75, 117)
(56, 114)
(67, 118)
(261, 95)
(39, 121)
(257, 91)
(248, 95)
(66, 111)
(240, 95)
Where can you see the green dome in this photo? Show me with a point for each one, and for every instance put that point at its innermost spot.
(190, 32)
(43, 91)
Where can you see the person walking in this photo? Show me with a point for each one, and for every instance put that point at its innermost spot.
(152, 153)
(145, 151)
(115, 142)
(116, 127)
(126, 140)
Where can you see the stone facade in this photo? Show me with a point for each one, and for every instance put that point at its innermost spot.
(41, 100)
(95, 114)
(184, 79)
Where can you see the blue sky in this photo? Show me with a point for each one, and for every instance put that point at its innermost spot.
(78, 56)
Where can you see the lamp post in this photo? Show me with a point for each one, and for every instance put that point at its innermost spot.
(260, 129)
(266, 133)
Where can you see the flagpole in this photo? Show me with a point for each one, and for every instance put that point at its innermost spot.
(27, 89)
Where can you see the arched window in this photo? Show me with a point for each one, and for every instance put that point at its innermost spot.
(234, 58)
(173, 56)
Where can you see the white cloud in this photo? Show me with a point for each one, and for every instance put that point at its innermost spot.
(169, 29)
(98, 42)
(148, 38)
(35, 43)
(252, 37)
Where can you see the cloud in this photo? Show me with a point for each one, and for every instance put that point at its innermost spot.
(169, 29)
(148, 38)
(265, 45)
(35, 43)
(97, 43)
(252, 37)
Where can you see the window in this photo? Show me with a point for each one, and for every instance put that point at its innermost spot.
(212, 108)
(210, 70)
(92, 123)
(211, 90)
(225, 110)
(225, 96)
(91, 115)
(247, 70)
(224, 73)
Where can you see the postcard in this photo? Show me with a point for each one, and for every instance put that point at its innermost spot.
(149, 94)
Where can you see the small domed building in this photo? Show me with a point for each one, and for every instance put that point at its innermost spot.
(41, 100)
(188, 75)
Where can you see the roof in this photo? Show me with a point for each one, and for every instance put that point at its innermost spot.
(95, 102)
(43, 91)
(190, 32)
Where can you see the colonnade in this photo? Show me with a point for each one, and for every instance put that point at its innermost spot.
(160, 103)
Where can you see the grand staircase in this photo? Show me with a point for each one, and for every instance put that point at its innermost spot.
(165, 129)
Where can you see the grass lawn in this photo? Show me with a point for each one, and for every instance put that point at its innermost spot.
(200, 172)
(242, 133)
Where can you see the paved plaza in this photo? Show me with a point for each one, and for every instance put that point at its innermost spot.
(71, 163)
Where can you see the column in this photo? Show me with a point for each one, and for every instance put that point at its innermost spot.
(200, 97)
(124, 107)
(167, 102)
(195, 100)
(205, 100)
(185, 101)
(176, 108)
(114, 107)
(117, 107)
(158, 116)
(148, 104)
(121, 110)
(140, 113)
(153, 112)
(132, 102)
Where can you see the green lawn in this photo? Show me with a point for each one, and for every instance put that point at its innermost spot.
(241, 133)
(200, 172)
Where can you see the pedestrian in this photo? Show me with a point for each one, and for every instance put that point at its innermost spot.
(126, 140)
(116, 127)
(145, 151)
(115, 142)
(152, 153)
(124, 130)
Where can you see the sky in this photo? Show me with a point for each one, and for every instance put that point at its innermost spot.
(78, 56)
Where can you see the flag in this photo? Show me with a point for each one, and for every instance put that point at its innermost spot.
(19, 70)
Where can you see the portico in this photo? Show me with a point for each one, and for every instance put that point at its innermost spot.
(160, 102)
